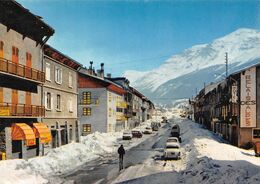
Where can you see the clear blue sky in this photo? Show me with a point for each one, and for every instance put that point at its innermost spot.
(136, 34)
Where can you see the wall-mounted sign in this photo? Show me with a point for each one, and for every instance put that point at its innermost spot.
(248, 98)
(234, 94)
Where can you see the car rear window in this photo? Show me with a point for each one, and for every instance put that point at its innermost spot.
(172, 146)
(171, 140)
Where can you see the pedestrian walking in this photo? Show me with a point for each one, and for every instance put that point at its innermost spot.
(121, 152)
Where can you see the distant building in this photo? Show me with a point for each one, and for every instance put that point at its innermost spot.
(22, 35)
(137, 103)
(60, 96)
(100, 103)
(128, 98)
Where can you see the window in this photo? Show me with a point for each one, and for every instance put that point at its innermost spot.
(15, 54)
(48, 72)
(48, 101)
(87, 98)
(70, 79)
(58, 103)
(256, 133)
(110, 112)
(70, 105)
(58, 75)
(97, 102)
(86, 111)
(109, 97)
(87, 128)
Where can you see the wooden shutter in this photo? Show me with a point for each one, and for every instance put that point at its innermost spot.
(1, 49)
(14, 96)
(28, 99)
(1, 95)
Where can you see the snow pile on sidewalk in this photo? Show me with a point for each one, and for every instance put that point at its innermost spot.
(206, 158)
(15, 172)
(58, 161)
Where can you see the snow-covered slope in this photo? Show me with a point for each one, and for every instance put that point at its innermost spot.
(242, 46)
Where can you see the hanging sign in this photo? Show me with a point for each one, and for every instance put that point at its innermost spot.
(234, 94)
(248, 98)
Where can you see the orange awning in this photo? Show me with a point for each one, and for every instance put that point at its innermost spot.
(41, 131)
(22, 131)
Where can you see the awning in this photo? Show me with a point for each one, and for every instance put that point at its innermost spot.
(22, 131)
(42, 131)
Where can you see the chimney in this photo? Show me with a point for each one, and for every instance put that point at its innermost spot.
(109, 75)
(91, 68)
(102, 70)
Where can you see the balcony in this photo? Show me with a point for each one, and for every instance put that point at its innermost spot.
(21, 71)
(122, 105)
(8, 109)
(120, 117)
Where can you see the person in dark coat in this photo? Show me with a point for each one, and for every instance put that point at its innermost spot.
(121, 152)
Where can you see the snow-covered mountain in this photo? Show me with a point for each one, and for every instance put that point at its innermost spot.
(180, 75)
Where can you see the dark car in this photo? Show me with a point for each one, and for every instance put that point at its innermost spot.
(155, 128)
(175, 132)
(137, 134)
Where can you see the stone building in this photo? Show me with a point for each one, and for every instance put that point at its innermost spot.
(22, 35)
(60, 96)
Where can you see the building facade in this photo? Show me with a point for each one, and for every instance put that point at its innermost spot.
(60, 96)
(22, 35)
(100, 103)
(230, 107)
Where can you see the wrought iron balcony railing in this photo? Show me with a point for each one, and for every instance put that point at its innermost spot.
(20, 70)
(9, 109)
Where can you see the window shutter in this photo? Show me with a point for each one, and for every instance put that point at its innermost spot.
(56, 74)
(60, 76)
(45, 100)
(51, 100)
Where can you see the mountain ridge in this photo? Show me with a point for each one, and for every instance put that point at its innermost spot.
(241, 45)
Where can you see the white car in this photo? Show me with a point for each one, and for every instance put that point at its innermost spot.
(172, 140)
(148, 130)
(172, 151)
(127, 135)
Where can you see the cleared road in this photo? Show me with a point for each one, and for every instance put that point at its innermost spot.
(105, 170)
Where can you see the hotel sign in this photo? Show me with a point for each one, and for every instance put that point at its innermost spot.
(234, 94)
(248, 98)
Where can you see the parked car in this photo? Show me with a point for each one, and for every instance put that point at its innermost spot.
(155, 126)
(137, 134)
(172, 151)
(127, 135)
(148, 130)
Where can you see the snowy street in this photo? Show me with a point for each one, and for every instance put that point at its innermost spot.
(203, 161)
(104, 170)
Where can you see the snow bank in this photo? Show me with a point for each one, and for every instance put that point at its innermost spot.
(17, 172)
(59, 160)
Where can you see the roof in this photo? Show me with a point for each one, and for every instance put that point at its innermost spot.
(104, 82)
(14, 16)
(60, 57)
(243, 69)
(137, 93)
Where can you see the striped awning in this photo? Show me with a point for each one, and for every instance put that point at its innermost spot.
(42, 131)
(22, 131)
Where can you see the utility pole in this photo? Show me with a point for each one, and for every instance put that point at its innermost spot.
(226, 57)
